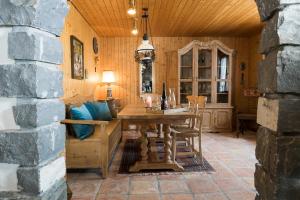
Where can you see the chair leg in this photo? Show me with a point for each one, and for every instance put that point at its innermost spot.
(193, 144)
(200, 149)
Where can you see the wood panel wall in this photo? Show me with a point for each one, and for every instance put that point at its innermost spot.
(254, 58)
(76, 25)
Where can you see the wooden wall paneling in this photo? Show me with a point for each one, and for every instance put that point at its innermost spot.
(76, 25)
(254, 58)
(242, 55)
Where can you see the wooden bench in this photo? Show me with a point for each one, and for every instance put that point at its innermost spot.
(95, 151)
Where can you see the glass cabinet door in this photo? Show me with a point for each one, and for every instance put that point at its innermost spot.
(205, 73)
(186, 76)
(222, 77)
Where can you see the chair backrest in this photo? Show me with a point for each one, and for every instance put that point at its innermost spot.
(192, 100)
(201, 103)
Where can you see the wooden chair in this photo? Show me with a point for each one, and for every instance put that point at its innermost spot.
(190, 133)
(192, 107)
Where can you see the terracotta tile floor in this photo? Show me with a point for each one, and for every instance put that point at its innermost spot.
(232, 158)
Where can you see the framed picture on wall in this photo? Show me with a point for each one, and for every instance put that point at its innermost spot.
(77, 58)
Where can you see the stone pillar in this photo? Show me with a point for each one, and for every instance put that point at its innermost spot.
(32, 140)
(277, 175)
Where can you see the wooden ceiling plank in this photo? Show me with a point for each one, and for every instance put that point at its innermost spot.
(174, 17)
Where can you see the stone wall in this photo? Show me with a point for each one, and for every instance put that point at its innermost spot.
(32, 140)
(277, 175)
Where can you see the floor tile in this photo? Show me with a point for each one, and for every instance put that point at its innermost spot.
(230, 184)
(201, 186)
(173, 186)
(115, 186)
(83, 198)
(216, 196)
(144, 187)
(211, 196)
(112, 197)
(85, 188)
(177, 197)
(171, 177)
(144, 197)
(144, 178)
(238, 195)
(243, 172)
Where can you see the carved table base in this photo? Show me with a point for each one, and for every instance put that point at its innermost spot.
(147, 162)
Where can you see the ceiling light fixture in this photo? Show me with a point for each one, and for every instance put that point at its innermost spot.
(131, 10)
(134, 30)
(145, 53)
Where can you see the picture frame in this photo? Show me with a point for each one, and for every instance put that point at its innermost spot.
(77, 58)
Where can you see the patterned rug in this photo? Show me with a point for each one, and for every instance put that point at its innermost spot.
(131, 155)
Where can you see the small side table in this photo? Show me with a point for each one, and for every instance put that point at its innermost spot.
(114, 106)
(240, 122)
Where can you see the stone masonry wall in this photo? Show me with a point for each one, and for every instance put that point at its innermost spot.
(277, 175)
(32, 140)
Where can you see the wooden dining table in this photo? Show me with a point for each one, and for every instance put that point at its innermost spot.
(137, 114)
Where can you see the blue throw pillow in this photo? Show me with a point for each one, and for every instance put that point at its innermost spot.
(81, 131)
(99, 110)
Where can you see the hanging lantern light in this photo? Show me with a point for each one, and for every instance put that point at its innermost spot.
(145, 52)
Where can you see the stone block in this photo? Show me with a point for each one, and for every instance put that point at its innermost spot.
(57, 192)
(30, 44)
(275, 188)
(280, 71)
(30, 147)
(279, 156)
(35, 113)
(280, 115)
(39, 179)
(281, 29)
(35, 80)
(264, 185)
(267, 8)
(43, 14)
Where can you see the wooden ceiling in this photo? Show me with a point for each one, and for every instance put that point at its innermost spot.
(174, 17)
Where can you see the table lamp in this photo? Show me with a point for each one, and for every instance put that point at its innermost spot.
(108, 78)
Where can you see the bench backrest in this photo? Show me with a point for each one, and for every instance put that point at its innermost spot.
(77, 100)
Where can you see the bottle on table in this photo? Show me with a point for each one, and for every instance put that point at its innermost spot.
(164, 99)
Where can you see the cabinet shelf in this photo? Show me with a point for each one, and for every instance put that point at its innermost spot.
(186, 66)
(204, 67)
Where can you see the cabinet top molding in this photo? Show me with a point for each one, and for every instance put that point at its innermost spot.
(206, 45)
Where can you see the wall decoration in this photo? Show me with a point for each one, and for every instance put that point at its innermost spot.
(77, 58)
(95, 45)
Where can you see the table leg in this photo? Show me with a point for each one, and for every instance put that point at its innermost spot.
(144, 144)
(167, 141)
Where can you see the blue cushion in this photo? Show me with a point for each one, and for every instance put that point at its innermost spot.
(81, 113)
(99, 110)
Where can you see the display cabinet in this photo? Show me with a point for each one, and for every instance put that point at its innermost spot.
(205, 70)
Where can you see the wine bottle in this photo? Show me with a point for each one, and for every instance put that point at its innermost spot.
(164, 102)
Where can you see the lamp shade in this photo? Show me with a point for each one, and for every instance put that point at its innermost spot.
(108, 77)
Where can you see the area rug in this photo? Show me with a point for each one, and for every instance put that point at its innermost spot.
(131, 155)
